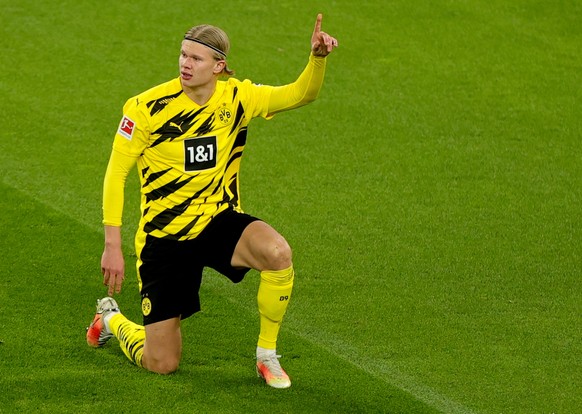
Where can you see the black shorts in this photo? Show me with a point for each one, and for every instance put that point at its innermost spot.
(171, 270)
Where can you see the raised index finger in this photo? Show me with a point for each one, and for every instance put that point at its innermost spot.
(317, 28)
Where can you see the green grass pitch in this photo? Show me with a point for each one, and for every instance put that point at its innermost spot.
(432, 196)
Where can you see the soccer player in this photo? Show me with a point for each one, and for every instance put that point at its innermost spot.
(187, 137)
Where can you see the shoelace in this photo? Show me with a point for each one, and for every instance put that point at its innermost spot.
(109, 308)
(273, 364)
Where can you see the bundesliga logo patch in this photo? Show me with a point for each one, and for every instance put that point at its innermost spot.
(126, 127)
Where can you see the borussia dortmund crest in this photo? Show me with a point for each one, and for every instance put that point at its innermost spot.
(146, 306)
(224, 115)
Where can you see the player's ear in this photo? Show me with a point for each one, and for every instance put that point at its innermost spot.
(220, 66)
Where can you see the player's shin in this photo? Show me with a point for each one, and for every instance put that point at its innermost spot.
(131, 337)
(273, 297)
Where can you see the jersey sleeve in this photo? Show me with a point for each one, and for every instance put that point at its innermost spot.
(133, 133)
(266, 101)
(118, 169)
(130, 140)
(301, 92)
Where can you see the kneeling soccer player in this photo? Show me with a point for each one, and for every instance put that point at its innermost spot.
(187, 137)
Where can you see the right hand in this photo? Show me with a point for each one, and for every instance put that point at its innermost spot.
(113, 269)
(112, 262)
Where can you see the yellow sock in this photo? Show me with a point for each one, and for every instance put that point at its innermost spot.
(273, 297)
(131, 337)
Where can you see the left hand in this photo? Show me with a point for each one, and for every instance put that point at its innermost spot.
(321, 43)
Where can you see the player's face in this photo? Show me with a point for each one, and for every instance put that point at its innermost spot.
(198, 66)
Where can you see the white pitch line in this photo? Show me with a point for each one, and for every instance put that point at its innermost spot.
(379, 369)
(374, 367)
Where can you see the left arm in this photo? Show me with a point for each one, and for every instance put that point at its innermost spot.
(301, 92)
(306, 88)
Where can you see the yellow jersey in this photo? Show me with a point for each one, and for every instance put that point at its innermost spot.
(188, 156)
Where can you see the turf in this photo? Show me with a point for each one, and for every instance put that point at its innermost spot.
(431, 195)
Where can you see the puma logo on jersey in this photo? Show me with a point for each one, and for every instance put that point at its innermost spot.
(179, 127)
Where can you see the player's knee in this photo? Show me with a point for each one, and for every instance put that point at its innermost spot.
(279, 255)
(163, 366)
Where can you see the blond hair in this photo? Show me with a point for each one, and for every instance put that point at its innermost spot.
(215, 39)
